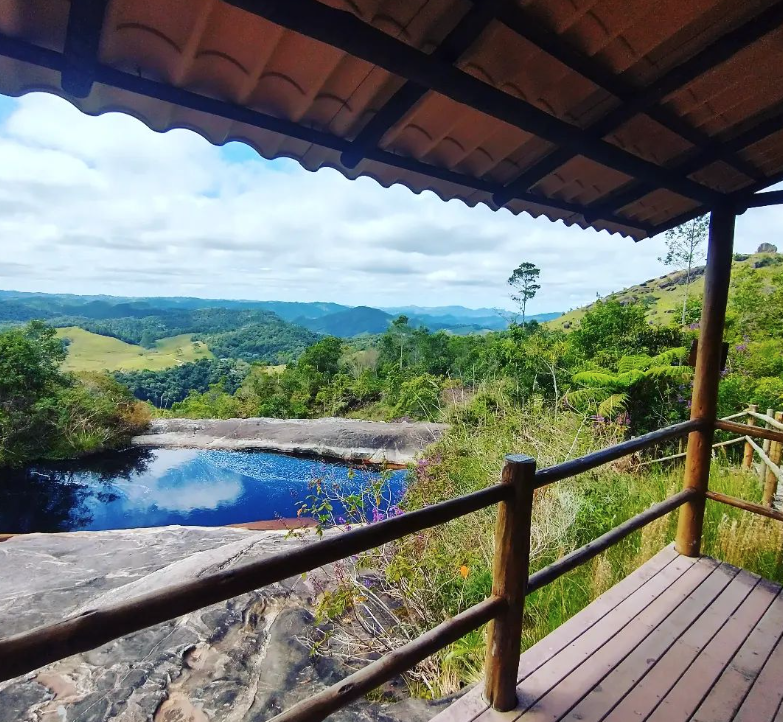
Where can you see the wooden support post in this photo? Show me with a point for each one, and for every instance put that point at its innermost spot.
(747, 457)
(771, 483)
(766, 445)
(704, 401)
(510, 569)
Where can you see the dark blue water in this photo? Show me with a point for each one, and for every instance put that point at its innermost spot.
(142, 488)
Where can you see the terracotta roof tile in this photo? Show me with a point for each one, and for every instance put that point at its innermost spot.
(219, 51)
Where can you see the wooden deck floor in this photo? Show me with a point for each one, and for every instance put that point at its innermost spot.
(680, 639)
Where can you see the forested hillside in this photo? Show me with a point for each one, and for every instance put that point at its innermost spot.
(662, 297)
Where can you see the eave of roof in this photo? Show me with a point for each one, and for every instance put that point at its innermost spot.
(614, 116)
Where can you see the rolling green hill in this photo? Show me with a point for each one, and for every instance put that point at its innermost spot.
(353, 322)
(663, 296)
(91, 352)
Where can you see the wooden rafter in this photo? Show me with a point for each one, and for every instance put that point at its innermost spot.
(82, 40)
(456, 43)
(348, 33)
(643, 101)
(51, 59)
(692, 163)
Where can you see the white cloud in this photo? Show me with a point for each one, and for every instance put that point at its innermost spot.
(104, 205)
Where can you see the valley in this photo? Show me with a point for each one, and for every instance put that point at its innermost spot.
(89, 351)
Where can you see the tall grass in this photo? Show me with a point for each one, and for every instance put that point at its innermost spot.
(438, 573)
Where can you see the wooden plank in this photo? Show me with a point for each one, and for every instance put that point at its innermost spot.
(553, 670)
(686, 695)
(758, 432)
(619, 678)
(572, 688)
(647, 693)
(765, 459)
(472, 704)
(729, 692)
(768, 418)
(766, 695)
(595, 612)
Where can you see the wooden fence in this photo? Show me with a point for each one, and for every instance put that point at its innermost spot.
(769, 469)
(503, 610)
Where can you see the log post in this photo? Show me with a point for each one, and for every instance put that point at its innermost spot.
(766, 445)
(771, 483)
(704, 400)
(747, 457)
(510, 570)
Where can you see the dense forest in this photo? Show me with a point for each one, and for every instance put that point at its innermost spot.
(612, 364)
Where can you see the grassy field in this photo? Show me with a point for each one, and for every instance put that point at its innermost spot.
(91, 352)
(664, 296)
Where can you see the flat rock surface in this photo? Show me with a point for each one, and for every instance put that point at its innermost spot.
(347, 439)
(245, 659)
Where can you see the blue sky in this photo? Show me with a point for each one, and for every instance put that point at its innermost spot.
(105, 205)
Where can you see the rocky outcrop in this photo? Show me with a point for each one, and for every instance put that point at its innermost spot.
(345, 439)
(242, 660)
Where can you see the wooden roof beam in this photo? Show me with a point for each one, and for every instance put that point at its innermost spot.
(456, 43)
(519, 20)
(707, 156)
(718, 52)
(82, 41)
(51, 59)
(348, 33)
(761, 200)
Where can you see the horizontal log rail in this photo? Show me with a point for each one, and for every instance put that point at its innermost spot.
(745, 505)
(766, 419)
(604, 456)
(25, 652)
(390, 665)
(594, 548)
(746, 430)
(774, 468)
(685, 453)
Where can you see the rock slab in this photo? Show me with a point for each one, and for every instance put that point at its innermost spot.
(345, 439)
(242, 660)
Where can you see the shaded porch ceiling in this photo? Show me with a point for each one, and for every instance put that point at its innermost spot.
(625, 115)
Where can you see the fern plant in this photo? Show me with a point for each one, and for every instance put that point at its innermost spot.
(609, 393)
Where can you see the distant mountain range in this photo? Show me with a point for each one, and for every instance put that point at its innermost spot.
(319, 317)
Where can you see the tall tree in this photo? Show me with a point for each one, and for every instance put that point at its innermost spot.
(685, 248)
(524, 281)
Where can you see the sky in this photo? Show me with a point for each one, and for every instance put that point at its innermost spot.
(107, 206)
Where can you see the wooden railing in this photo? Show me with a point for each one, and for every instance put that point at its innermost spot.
(25, 652)
(770, 473)
(503, 610)
(769, 470)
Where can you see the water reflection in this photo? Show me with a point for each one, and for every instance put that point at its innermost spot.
(142, 487)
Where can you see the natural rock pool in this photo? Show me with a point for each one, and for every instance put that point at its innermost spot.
(158, 487)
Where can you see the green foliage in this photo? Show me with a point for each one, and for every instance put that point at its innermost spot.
(166, 387)
(646, 390)
(419, 397)
(45, 413)
(608, 329)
